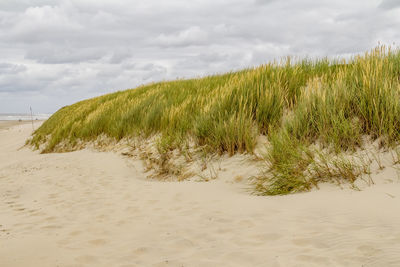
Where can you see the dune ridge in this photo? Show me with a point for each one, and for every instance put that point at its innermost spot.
(311, 112)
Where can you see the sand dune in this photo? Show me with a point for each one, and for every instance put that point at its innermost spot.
(88, 208)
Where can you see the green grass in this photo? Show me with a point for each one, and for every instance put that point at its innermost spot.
(295, 104)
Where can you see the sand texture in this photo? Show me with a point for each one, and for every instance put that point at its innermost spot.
(5, 125)
(90, 208)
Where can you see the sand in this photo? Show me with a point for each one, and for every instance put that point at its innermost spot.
(8, 124)
(88, 208)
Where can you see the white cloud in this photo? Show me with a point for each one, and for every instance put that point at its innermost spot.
(190, 36)
(55, 52)
(43, 24)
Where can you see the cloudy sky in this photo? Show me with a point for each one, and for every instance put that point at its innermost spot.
(54, 53)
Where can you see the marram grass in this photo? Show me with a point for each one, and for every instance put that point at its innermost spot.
(294, 104)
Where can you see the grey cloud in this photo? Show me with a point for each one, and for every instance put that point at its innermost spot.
(9, 68)
(157, 71)
(263, 2)
(14, 83)
(19, 78)
(18, 5)
(389, 4)
(119, 55)
(62, 51)
(61, 55)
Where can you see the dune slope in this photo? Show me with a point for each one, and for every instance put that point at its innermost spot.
(297, 105)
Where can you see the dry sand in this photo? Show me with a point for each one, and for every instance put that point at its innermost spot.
(88, 208)
(8, 124)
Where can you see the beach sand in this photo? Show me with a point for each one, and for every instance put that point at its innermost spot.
(9, 124)
(88, 208)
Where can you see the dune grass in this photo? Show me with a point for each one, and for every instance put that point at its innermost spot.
(296, 104)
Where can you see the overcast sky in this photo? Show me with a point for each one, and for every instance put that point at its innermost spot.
(54, 53)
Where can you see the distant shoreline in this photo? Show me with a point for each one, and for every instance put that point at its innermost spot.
(23, 116)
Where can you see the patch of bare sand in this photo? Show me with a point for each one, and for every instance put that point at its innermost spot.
(87, 208)
(5, 125)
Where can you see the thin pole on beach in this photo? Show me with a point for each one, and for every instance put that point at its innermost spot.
(33, 129)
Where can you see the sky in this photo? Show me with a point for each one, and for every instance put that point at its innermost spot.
(55, 53)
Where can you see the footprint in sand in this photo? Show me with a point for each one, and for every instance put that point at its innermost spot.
(4, 231)
(152, 201)
(102, 217)
(98, 242)
(50, 219)
(302, 242)
(368, 250)
(75, 233)
(34, 213)
(267, 237)
(140, 251)
(51, 196)
(19, 209)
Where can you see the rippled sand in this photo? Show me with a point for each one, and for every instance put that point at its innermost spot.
(87, 208)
